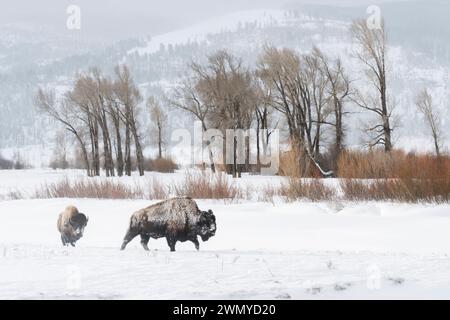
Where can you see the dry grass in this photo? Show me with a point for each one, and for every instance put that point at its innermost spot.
(294, 164)
(298, 189)
(89, 188)
(164, 165)
(371, 176)
(396, 164)
(400, 190)
(157, 190)
(208, 186)
(397, 177)
(15, 195)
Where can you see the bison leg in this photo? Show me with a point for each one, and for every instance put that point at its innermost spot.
(131, 234)
(144, 241)
(196, 243)
(72, 244)
(171, 242)
(63, 240)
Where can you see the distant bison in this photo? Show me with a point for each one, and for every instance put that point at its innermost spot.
(71, 224)
(176, 219)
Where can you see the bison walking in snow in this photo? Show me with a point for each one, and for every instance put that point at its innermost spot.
(71, 224)
(176, 219)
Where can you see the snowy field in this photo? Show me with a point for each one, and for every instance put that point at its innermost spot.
(299, 250)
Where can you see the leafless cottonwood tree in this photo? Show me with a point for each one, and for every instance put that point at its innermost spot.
(90, 109)
(187, 98)
(102, 87)
(59, 158)
(424, 103)
(80, 99)
(91, 93)
(228, 88)
(114, 112)
(158, 118)
(339, 91)
(372, 54)
(298, 91)
(62, 113)
(129, 98)
(263, 116)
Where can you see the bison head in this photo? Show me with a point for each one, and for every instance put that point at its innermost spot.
(207, 224)
(78, 223)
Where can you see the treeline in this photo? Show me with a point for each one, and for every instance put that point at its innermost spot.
(309, 93)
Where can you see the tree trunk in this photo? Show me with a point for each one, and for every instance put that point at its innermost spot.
(127, 150)
(258, 153)
(119, 155)
(85, 154)
(436, 144)
(96, 158)
(386, 125)
(159, 142)
(339, 132)
(139, 154)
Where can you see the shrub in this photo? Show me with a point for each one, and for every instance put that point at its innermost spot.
(164, 165)
(396, 176)
(401, 190)
(89, 188)
(300, 189)
(208, 186)
(157, 190)
(59, 164)
(6, 164)
(396, 164)
(291, 166)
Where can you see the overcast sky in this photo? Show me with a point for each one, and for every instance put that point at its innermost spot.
(123, 19)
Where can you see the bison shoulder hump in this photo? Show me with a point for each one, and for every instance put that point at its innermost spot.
(71, 211)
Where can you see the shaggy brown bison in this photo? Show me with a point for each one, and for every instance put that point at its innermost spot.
(71, 224)
(176, 219)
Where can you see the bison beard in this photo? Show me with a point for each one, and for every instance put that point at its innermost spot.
(176, 219)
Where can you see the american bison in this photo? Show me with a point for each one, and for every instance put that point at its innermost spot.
(71, 224)
(176, 219)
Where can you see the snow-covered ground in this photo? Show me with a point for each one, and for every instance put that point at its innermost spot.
(261, 251)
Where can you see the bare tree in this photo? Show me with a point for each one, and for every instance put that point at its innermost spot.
(79, 99)
(91, 109)
(45, 101)
(158, 118)
(228, 88)
(298, 91)
(186, 97)
(424, 103)
(263, 115)
(113, 109)
(373, 51)
(103, 90)
(340, 93)
(59, 159)
(129, 97)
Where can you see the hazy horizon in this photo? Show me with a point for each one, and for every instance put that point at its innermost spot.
(115, 19)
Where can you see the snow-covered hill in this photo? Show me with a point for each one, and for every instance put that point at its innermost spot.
(199, 33)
